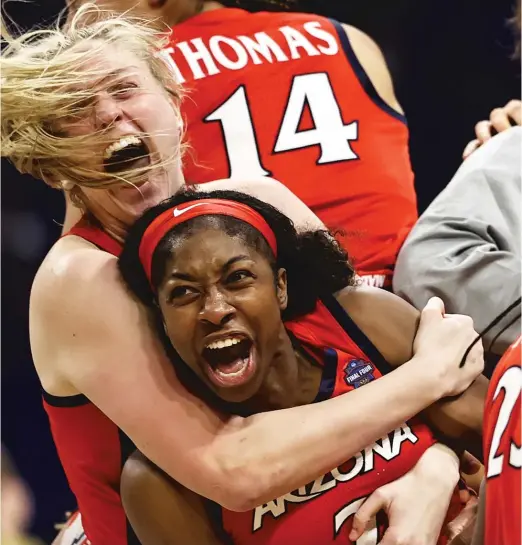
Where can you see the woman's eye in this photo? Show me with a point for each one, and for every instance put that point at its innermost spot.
(181, 291)
(238, 276)
(123, 89)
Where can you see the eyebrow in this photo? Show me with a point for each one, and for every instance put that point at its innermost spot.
(227, 265)
(115, 74)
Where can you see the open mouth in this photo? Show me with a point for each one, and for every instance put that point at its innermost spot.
(230, 361)
(129, 152)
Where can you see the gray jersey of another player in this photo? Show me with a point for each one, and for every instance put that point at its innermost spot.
(466, 247)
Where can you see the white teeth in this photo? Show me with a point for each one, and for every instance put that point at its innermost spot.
(120, 144)
(224, 343)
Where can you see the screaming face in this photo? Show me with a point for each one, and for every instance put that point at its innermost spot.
(222, 311)
(139, 137)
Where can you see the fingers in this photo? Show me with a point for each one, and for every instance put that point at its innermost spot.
(469, 464)
(435, 306)
(366, 512)
(499, 120)
(394, 536)
(470, 148)
(483, 131)
(514, 109)
(464, 496)
(466, 518)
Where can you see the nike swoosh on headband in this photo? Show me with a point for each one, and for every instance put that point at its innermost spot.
(177, 212)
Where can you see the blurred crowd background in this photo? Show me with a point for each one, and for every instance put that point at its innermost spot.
(451, 65)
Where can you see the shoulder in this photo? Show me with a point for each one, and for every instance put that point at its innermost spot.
(75, 291)
(387, 320)
(72, 270)
(374, 64)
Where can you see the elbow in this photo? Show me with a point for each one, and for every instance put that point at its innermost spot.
(243, 478)
(242, 487)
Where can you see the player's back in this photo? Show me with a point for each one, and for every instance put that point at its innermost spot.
(502, 448)
(283, 95)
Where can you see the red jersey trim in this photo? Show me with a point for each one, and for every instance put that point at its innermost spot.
(65, 401)
(362, 76)
(352, 330)
(97, 237)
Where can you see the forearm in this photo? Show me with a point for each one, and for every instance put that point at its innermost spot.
(441, 464)
(270, 454)
(462, 417)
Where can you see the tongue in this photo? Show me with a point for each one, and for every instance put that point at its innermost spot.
(231, 367)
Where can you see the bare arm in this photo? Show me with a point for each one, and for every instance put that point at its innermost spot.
(391, 324)
(372, 60)
(161, 511)
(275, 193)
(100, 342)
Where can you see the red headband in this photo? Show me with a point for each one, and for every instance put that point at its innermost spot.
(192, 209)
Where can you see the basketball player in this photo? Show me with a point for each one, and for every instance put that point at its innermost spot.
(500, 510)
(251, 319)
(94, 112)
(301, 98)
(331, 130)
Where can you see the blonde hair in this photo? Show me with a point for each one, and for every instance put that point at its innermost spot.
(45, 77)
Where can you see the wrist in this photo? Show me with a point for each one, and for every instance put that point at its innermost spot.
(440, 465)
(429, 382)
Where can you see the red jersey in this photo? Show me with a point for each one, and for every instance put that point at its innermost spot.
(322, 512)
(283, 95)
(92, 449)
(502, 448)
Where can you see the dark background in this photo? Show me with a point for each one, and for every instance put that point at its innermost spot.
(450, 60)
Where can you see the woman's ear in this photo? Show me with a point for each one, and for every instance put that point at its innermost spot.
(281, 288)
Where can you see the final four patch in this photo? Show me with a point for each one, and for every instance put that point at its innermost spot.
(358, 372)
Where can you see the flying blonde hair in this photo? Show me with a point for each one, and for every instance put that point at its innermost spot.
(45, 76)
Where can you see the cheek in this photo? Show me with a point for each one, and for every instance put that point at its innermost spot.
(265, 312)
(162, 115)
(180, 329)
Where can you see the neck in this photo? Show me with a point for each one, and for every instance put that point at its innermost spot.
(116, 229)
(291, 380)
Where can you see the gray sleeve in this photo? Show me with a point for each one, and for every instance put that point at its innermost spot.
(466, 247)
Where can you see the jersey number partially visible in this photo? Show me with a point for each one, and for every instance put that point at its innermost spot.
(511, 383)
(329, 133)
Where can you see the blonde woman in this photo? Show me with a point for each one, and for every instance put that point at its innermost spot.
(94, 112)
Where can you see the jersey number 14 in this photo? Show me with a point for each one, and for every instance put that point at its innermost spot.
(329, 133)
